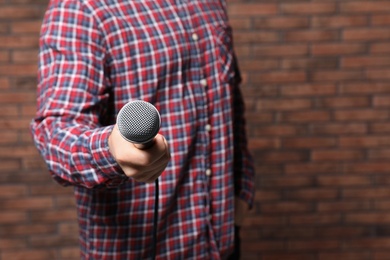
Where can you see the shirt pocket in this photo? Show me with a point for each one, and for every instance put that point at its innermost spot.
(223, 40)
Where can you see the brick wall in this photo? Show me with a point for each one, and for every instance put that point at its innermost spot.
(317, 87)
(37, 216)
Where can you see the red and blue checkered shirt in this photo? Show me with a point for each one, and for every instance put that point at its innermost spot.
(95, 56)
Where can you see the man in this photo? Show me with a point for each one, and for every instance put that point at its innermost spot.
(97, 55)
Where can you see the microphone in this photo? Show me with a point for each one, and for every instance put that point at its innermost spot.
(139, 122)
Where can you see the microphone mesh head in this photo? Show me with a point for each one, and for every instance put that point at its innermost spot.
(138, 121)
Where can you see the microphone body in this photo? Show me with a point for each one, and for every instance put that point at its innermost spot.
(139, 122)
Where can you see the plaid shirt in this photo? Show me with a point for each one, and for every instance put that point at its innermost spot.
(97, 55)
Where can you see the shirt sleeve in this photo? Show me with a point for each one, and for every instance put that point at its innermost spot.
(244, 173)
(72, 98)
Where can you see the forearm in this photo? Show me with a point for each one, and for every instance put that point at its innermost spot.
(75, 153)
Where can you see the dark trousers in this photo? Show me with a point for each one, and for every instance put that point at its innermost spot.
(237, 245)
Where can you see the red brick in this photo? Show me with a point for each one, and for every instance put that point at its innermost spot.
(309, 8)
(313, 194)
(306, 116)
(381, 101)
(344, 255)
(4, 84)
(365, 88)
(367, 193)
(250, 9)
(260, 221)
(378, 154)
(378, 74)
(284, 104)
(366, 34)
(343, 181)
(364, 141)
(312, 168)
(368, 218)
(315, 219)
(4, 57)
(273, 22)
(309, 142)
(370, 243)
(343, 231)
(278, 130)
(240, 23)
(380, 128)
(8, 137)
(336, 75)
(315, 245)
(13, 244)
(309, 63)
(381, 255)
(259, 64)
(337, 155)
(33, 254)
(308, 90)
(25, 203)
(282, 156)
(286, 232)
(66, 200)
(54, 216)
(345, 102)
(365, 62)
(264, 143)
(24, 57)
(286, 207)
(28, 229)
(13, 217)
(361, 115)
(382, 19)
(69, 253)
(18, 41)
(280, 51)
(339, 21)
(368, 168)
(12, 191)
(339, 128)
(381, 205)
(278, 182)
(10, 165)
(20, 12)
(279, 77)
(364, 7)
(255, 37)
(379, 48)
(53, 241)
(288, 256)
(325, 49)
(344, 206)
(30, 27)
(311, 35)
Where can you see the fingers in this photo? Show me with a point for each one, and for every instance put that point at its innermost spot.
(142, 165)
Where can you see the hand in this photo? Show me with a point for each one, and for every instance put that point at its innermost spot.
(142, 165)
(241, 209)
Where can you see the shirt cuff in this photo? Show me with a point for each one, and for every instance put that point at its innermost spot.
(105, 163)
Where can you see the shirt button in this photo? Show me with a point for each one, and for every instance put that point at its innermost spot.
(208, 127)
(208, 172)
(195, 37)
(203, 82)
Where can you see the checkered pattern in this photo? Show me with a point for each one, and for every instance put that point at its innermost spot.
(95, 56)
